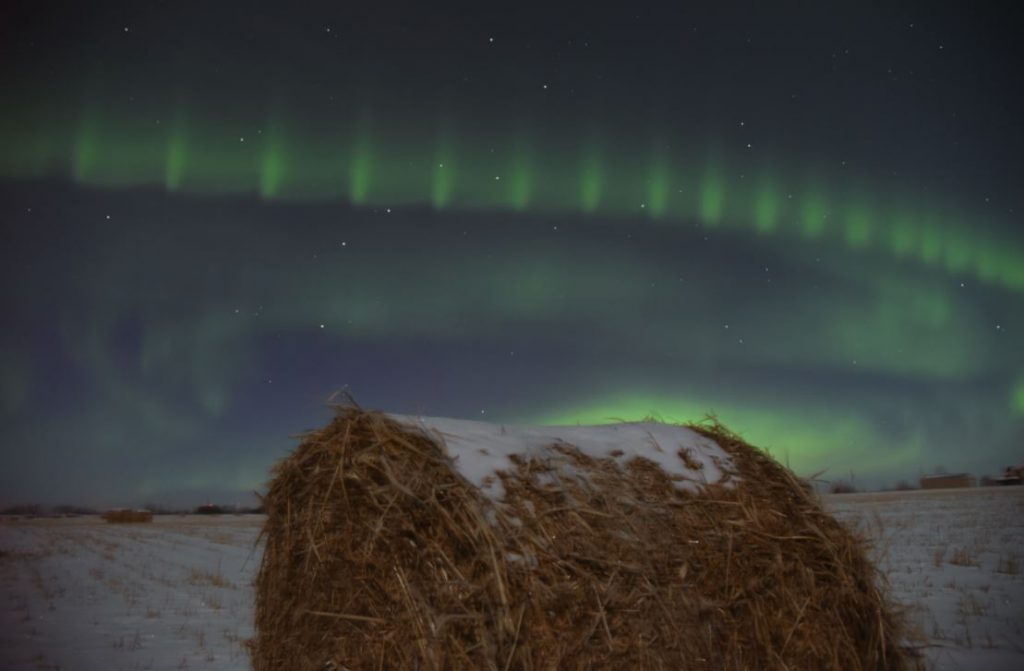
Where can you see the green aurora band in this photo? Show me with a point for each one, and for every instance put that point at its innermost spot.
(394, 164)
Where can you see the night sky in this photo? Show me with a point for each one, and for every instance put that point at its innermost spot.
(805, 218)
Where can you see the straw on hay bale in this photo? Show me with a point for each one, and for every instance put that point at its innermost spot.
(381, 555)
(124, 516)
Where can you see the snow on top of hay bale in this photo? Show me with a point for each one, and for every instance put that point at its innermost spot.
(481, 451)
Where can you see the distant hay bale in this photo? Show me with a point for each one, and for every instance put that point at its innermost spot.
(124, 516)
(381, 553)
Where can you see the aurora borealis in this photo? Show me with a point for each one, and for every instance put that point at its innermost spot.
(803, 220)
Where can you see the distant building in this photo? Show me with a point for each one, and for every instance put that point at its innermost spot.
(1012, 475)
(948, 481)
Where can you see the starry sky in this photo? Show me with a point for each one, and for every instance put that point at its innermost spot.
(803, 218)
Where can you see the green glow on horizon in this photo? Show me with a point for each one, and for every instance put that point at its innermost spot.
(813, 438)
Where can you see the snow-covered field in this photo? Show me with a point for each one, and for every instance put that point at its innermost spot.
(955, 558)
(176, 594)
(83, 594)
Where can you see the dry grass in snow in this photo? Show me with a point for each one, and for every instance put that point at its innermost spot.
(953, 557)
(81, 594)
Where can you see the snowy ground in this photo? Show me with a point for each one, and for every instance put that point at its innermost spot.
(80, 594)
(955, 558)
(83, 594)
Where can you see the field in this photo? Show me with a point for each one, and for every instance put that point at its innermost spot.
(79, 593)
(954, 559)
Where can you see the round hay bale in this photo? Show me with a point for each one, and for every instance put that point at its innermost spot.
(381, 554)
